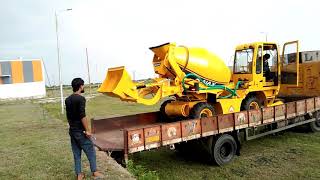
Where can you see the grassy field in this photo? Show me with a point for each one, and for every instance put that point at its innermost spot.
(290, 155)
(36, 146)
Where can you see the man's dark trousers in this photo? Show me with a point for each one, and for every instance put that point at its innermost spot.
(79, 142)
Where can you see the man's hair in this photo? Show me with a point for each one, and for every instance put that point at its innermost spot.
(266, 56)
(76, 83)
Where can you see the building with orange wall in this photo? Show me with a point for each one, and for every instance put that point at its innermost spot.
(22, 79)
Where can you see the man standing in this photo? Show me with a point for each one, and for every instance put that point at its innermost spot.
(79, 131)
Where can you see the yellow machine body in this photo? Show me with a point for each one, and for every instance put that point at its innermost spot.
(191, 60)
(309, 80)
(194, 75)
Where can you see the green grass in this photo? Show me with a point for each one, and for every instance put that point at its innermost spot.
(286, 156)
(290, 155)
(32, 146)
(36, 146)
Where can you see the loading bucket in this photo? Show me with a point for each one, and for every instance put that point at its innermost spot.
(118, 83)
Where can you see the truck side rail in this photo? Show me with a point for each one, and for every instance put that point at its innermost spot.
(163, 134)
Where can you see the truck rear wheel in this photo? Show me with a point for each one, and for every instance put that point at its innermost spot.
(250, 102)
(315, 125)
(223, 149)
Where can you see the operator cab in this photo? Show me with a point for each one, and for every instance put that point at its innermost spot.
(258, 63)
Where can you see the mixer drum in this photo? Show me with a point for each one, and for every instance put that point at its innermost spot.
(191, 60)
(203, 63)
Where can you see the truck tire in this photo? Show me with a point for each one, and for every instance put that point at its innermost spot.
(223, 149)
(250, 102)
(315, 125)
(202, 109)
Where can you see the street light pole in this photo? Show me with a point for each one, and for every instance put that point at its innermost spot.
(59, 61)
(266, 35)
(88, 68)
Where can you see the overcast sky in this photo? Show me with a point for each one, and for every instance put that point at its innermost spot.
(120, 32)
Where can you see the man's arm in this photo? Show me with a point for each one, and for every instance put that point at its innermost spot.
(84, 119)
(85, 123)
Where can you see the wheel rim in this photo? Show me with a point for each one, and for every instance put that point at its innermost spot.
(225, 150)
(254, 105)
(206, 113)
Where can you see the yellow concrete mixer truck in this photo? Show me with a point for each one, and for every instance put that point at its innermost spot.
(208, 106)
(202, 84)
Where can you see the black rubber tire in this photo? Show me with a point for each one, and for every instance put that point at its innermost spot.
(315, 125)
(164, 116)
(196, 110)
(224, 149)
(247, 101)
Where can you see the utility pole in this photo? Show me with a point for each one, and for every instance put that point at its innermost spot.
(59, 61)
(88, 68)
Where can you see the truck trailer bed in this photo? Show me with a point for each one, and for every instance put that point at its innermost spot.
(134, 133)
(109, 132)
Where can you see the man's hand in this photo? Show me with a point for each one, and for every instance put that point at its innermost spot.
(88, 134)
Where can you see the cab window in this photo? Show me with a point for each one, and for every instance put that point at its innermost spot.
(243, 61)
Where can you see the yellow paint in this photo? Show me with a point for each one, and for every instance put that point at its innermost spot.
(276, 103)
(152, 139)
(177, 109)
(17, 72)
(173, 62)
(37, 71)
(226, 104)
(309, 81)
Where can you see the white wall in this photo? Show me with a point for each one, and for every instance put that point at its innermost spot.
(22, 90)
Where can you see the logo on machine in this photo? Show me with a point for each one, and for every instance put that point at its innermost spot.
(172, 131)
(209, 83)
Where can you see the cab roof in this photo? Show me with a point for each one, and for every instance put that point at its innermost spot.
(253, 44)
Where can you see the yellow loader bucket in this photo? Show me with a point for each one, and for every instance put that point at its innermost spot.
(118, 83)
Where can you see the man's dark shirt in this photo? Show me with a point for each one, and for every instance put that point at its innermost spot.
(75, 106)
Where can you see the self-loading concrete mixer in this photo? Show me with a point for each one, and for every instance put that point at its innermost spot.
(201, 83)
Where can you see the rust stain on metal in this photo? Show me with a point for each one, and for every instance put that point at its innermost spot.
(109, 132)
(225, 123)
(255, 117)
(301, 107)
(171, 133)
(280, 112)
(209, 126)
(241, 120)
(317, 103)
(291, 110)
(267, 115)
(310, 105)
(191, 129)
